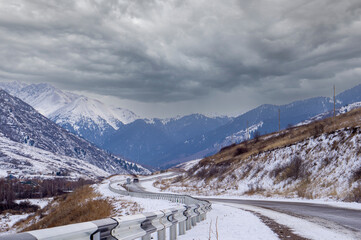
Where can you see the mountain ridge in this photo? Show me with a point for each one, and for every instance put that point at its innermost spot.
(163, 142)
(21, 123)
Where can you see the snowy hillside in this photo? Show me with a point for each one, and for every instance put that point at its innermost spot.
(23, 160)
(23, 124)
(322, 167)
(326, 164)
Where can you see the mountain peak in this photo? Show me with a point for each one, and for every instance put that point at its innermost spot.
(21, 123)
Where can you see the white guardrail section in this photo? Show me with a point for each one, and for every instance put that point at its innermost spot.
(178, 220)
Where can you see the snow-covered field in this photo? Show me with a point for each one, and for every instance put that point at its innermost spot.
(8, 220)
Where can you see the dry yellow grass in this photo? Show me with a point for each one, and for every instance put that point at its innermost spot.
(76, 207)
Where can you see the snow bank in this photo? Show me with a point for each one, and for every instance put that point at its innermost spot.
(232, 224)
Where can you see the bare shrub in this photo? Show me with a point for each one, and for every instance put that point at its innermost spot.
(302, 189)
(201, 174)
(358, 151)
(256, 136)
(276, 171)
(177, 179)
(18, 208)
(334, 145)
(354, 195)
(246, 171)
(326, 161)
(239, 151)
(317, 129)
(217, 171)
(253, 189)
(356, 174)
(294, 170)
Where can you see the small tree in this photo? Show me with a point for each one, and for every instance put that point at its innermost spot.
(256, 135)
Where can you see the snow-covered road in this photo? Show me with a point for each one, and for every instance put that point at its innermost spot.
(308, 220)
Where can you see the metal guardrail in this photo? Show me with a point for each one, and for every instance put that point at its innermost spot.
(178, 220)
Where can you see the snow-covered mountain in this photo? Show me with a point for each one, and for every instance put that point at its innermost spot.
(19, 159)
(43, 97)
(21, 123)
(167, 142)
(86, 117)
(155, 142)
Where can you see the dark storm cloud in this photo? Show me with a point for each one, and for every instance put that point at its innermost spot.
(170, 50)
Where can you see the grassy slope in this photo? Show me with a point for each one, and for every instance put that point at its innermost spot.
(321, 159)
(284, 138)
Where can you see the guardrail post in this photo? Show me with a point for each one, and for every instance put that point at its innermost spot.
(194, 215)
(197, 211)
(146, 237)
(105, 227)
(189, 224)
(189, 220)
(173, 232)
(179, 217)
(129, 227)
(173, 227)
(161, 234)
(95, 236)
(182, 226)
(166, 220)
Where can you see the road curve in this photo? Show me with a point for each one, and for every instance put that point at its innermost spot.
(348, 218)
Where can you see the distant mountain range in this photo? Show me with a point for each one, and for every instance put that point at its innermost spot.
(21, 123)
(166, 142)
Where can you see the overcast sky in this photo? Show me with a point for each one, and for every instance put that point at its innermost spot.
(167, 57)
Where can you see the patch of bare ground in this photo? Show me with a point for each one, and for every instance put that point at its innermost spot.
(282, 231)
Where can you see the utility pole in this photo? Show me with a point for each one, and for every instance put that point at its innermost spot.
(247, 136)
(334, 100)
(279, 119)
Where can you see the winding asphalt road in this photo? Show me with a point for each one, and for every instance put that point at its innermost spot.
(348, 218)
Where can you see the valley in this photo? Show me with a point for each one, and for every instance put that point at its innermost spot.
(163, 143)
